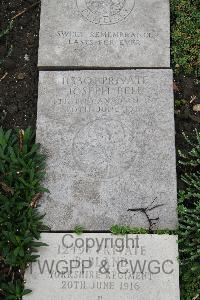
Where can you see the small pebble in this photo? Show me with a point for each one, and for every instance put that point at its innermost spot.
(196, 107)
(26, 57)
(20, 76)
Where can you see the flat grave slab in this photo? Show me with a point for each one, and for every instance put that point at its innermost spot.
(109, 141)
(105, 267)
(104, 33)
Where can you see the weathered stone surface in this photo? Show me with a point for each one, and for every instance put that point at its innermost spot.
(105, 33)
(143, 267)
(109, 139)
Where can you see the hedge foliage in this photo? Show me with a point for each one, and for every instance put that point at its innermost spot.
(189, 220)
(185, 34)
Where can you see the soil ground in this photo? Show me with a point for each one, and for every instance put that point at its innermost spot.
(19, 74)
(19, 89)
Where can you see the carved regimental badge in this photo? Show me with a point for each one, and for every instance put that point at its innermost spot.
(105, 12)
(104, 148)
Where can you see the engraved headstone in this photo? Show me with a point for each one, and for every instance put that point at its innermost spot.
(104, 33)
(109, 140)
(105, 267)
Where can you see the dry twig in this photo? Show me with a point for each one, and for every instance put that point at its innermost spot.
(35, 200)
(4, 76)
(6, 188)
(145, 210)
(21, 139)
(25, 10)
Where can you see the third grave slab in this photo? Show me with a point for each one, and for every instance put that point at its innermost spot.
(105, 267)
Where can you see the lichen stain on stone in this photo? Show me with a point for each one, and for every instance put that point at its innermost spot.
(84, 190)
(64, 213)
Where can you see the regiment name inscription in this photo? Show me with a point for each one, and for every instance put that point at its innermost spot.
(103, 266)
